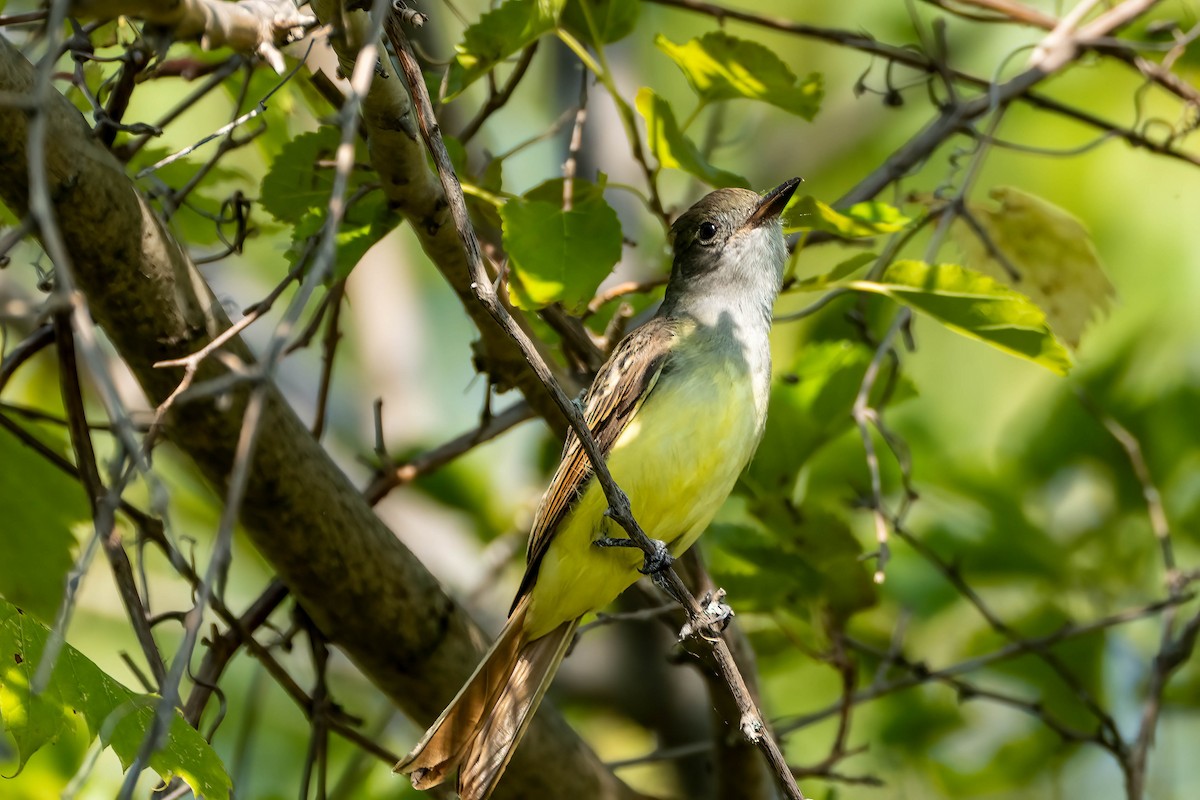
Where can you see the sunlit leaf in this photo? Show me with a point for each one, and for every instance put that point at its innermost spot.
(974, 305)
(723, 67)
(38, 506)
(672, 148)
(497, 35)
(861, 220)
(78, 688)
(1051, 251)
(559, 256)
(810, 405)
(613, 19)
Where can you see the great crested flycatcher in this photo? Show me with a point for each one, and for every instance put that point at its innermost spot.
(677, 412)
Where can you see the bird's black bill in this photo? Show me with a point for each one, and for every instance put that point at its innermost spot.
(772, 204)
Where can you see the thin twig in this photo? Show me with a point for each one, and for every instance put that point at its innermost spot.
(333, 336)
(619, 290)
(438, 457)
(99, 498)
(1014, 649)
(497, 100)
(913, 58)
(41, 338)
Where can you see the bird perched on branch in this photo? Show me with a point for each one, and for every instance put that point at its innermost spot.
(677, 411)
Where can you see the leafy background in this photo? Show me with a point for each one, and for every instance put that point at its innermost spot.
(1022, 490)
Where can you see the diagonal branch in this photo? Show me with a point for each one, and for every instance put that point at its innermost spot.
(361, 586)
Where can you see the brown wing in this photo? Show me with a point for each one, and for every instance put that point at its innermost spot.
(620, 388)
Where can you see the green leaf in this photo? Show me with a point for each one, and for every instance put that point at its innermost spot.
(559, 256)
(295, 186)
(1051, 251)
(758, 575)
(673, 149)
(810, 406)
(78, 688)
(723, 67)
(613, 19)
(859, 221)
(497, 35)
(974, 305)
(296, 191)
(38, 506)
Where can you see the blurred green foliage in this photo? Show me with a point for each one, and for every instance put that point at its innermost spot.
(1006, 472)
(39, 506)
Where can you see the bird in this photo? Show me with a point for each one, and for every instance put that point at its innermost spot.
(677, 412)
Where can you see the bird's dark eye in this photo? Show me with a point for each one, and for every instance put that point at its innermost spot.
(707, 231)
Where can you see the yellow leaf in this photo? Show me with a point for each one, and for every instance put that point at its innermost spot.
(1050, 250)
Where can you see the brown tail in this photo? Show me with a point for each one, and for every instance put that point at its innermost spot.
(483, 724)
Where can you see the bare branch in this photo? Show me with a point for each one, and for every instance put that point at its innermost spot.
(248, 26)
(440, 456)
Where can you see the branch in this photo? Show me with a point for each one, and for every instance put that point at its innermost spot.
(923, 63)
(414, 191)
(391, 477)
(300, 510)
(751, 723)
(247, 26)
(1014, 649)
(103, 510)
(739, 772)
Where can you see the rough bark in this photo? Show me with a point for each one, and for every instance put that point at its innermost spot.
(359, 584)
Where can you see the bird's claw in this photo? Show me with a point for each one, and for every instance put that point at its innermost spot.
(658, 561)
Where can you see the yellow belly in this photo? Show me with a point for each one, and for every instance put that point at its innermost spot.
(677, 460)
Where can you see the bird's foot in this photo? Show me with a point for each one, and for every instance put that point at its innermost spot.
(656, 562)
(659, 561)
(714, 618)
